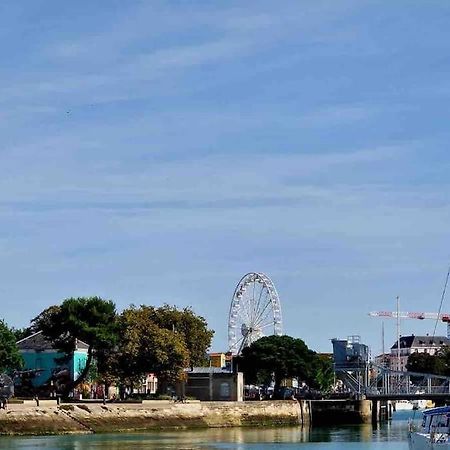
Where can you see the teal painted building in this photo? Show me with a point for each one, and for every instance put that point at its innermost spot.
(39, 354)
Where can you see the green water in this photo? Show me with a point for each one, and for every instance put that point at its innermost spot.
(388, 436)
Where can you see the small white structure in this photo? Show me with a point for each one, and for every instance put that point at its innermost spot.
(149, 385)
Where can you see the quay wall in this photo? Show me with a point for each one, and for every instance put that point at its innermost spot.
(335, 412)
(157, 415)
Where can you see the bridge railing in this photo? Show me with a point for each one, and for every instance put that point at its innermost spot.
(374, 380)
(384, 381)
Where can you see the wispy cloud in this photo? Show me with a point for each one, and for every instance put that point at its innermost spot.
(132, 50)
(159, 150)
(335, 115)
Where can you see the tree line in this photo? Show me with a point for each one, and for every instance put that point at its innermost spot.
(123, 347)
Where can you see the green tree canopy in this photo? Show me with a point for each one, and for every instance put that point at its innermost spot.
(162, 340)
(282, 356)
(322, 372)
(145, 347)
(425, 363)
(21, 333)
(191, 327)
(88, 319)
(10, 358)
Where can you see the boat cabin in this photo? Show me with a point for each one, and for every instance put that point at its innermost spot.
(436, 420)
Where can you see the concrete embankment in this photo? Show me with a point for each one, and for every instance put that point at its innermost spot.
(155, 415)
(334, 412)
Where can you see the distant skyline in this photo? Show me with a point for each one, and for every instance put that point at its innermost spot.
(155, 152)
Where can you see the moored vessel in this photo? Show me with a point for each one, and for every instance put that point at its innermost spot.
(434, 431)
(404, 405)
(422, 404)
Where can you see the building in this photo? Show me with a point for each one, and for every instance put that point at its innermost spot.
(350, 353)
(49, 365)
(351, 364)
(217, 359)
(214, 384)
(221, 360)
(149, 385)
(415, 344)
(383, 360)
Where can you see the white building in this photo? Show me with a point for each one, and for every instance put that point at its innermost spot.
(149, 385)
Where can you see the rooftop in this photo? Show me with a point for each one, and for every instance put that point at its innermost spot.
(39, 342)
(421, 342)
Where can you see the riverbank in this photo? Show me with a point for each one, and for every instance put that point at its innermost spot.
(26, 419)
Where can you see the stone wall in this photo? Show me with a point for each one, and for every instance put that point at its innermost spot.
(33, 420)
(97, 418)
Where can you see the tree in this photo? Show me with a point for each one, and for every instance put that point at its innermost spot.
(426, 363)
(89, 319)
(444, 356)
(22, 333)
(282, 356)
(322, 372)
(10, 358)
(191, 327)
(146, 347)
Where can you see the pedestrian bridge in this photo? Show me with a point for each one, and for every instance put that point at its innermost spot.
(380, 383)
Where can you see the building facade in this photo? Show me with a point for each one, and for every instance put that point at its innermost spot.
(414, 344)
(49, 365)
(214, 384)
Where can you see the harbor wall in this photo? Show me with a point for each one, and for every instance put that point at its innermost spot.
(157, 415)
(335, 412)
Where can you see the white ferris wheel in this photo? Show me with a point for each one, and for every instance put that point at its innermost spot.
(255, 311)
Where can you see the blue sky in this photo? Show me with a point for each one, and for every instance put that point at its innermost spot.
(155, 152)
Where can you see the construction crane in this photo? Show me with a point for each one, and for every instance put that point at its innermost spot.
(444, 317)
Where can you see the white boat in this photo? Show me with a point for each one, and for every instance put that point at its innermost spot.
(404, 405)
(420, 404)
(434, 431)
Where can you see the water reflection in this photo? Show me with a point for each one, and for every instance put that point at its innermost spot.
(229, 439)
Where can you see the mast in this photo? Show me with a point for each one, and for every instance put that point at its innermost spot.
(441, 303)
(398, 332)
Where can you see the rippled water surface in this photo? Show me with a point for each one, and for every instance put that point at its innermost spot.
(388, 436)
